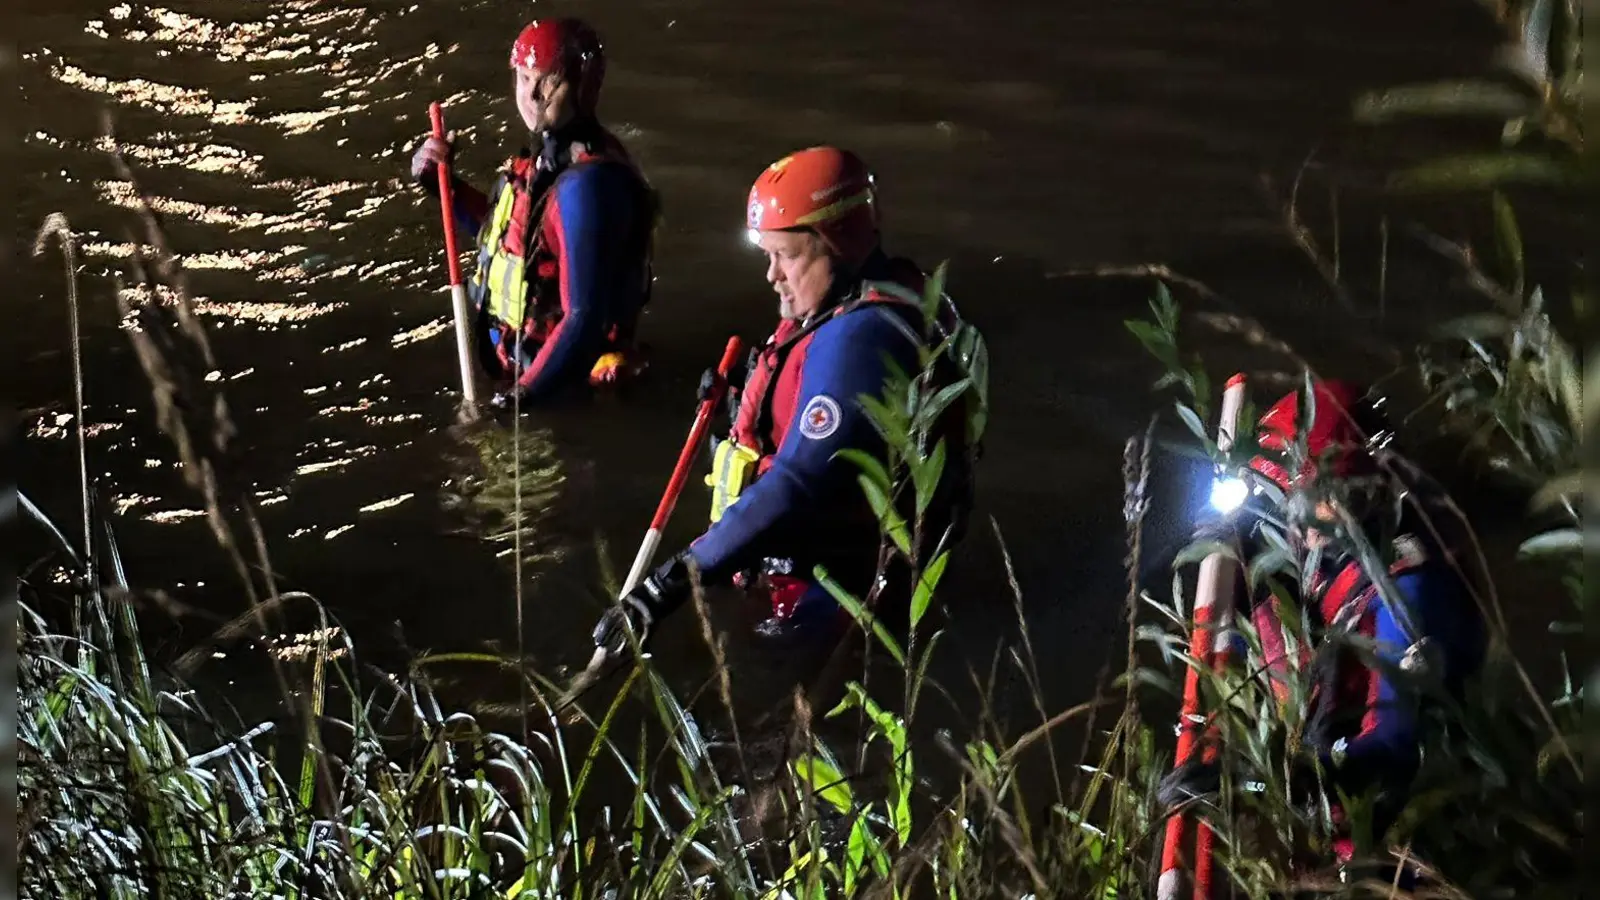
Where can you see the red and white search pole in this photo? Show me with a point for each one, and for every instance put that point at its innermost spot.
(458, 290)
(669, 500)
(680, 473)
(1216, 581)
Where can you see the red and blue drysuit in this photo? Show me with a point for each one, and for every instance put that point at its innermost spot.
(564, 260)
(798, 408)
(1365, 724)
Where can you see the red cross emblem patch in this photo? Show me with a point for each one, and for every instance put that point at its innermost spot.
(820, 418)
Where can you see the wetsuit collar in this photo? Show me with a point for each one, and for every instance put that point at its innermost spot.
(556, 145)
(847, 282)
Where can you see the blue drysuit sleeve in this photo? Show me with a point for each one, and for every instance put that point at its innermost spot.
(1444, 614)
(471, 207)
(594, 213)
(805, 482)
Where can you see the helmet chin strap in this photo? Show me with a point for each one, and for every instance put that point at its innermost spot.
(555, 143)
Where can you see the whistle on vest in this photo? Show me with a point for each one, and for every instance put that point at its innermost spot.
(733, 467)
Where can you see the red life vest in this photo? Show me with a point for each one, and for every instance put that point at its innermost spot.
(523, 244)
(772, 386)
(1347, 600)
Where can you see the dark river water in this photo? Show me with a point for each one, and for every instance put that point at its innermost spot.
(1019, 140)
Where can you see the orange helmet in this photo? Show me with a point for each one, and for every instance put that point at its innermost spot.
(568, 46)
(826, 189)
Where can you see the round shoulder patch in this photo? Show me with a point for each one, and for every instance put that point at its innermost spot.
(1408, 553)
(820, 418)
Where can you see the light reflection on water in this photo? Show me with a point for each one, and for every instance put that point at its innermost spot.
(273, 138)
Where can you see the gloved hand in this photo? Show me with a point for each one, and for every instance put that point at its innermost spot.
(428, 156)
(708, 384)
(735, 380)
(661, 592)
(1194, 778)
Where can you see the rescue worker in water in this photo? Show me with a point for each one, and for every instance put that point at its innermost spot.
(1366, 715)
(783, 502)
(564, 239)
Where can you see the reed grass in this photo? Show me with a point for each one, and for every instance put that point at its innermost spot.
(132, 783)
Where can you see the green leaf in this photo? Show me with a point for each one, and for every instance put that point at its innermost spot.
(920, 675)
(1199, 550)
(861, 851)
(926, 585)
(973, 355)
(1192, 419)
(1535, 46)
(928, 414)
(884, 723)
(933, 293)
(871, 467)
(1445, 98)
(1508, 237)
(680, 845)
(1200, 389)
(826, 780)
(1591, 382)
(1273, 561)
(1564, 383)
(859, 612)
(1156, 342)
(1478, 172)
(1568, 487)
(901, 812)
(1166, 309)
(1564, 540)
(889, 519)
(887, 419)
(1478, 326)
(926, 474)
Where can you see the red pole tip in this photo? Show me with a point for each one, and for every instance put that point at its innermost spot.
(1236, 380)
(436, 115)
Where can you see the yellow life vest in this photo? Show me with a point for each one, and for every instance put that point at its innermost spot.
(735, 465)
(733, 468)
(501, 282)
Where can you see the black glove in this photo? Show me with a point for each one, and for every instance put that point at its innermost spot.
(735, 380)
(661, 592)
(1194, 778)
(708, 384)
(709, 380)
(503, 401)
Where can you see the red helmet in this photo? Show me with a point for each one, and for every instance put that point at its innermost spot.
(1347, 423)
(568, 46)
(825, 189)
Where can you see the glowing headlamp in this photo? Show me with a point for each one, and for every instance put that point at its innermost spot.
(1228, 493)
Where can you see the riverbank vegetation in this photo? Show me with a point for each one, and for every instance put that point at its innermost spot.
(131, 783)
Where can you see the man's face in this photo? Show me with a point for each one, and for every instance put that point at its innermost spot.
(799, 268)
(543, 98)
